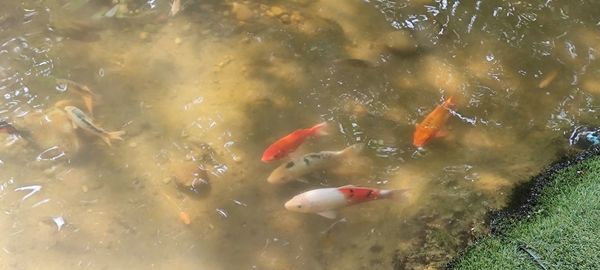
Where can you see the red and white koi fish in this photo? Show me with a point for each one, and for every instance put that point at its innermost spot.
(432, 125)
(325, 201)
(284, 146)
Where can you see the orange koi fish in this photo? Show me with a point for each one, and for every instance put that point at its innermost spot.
(282, 147)
(433, 123)
(325, 201)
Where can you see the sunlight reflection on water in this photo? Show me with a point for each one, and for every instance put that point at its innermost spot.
(201, 94)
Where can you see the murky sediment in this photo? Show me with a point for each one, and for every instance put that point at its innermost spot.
(202, 89)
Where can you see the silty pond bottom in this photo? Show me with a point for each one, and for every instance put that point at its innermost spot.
(201, 88)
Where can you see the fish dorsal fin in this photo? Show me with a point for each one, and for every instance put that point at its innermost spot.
(347, 186)
(330, 214)
(294, 155)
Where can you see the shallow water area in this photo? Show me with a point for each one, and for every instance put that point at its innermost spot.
(202, 90)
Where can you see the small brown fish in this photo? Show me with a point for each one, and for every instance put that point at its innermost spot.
(86, 93)
(80, 119)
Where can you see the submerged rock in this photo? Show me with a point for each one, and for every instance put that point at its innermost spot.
(242, 12)
(50, 130)
(492, 182)
(275, 11)
(591, 85)
(440, 73)
(400, 42)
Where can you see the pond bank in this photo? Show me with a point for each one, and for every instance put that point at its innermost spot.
(554, 222)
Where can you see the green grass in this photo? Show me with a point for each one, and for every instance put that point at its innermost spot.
(563, 231)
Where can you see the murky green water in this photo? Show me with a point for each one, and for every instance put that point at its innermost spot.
(215, 84)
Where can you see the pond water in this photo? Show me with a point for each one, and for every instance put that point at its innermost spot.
(203, 89)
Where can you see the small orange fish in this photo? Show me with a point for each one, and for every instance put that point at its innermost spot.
(433, 123)
(282, 147)
(185, 218)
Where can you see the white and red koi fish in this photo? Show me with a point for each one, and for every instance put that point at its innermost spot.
(293, 170)
(325, 201)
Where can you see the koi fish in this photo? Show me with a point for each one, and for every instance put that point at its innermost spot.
(325, 201)
(80, 119)
(86, 94)
(282, 147)
(433, 123)
(309, 163)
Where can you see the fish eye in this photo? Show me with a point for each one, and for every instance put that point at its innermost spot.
(299, 206)
(289, 165)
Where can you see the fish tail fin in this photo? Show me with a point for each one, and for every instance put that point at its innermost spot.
(106, 139)
(354, 149)
(397, 195)
(116, 135)
(89, 104)
(319, 129)
(113, 135)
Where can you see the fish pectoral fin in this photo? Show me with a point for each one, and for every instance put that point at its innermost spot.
(302, 180)
(441, 133)
(106, 139)
(328, 214)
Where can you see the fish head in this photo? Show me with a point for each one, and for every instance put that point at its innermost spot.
(70, 109)
(266, 158)
(449, 103)
(279, 176)
(272, 155)
(422, 135)
(299, 203)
